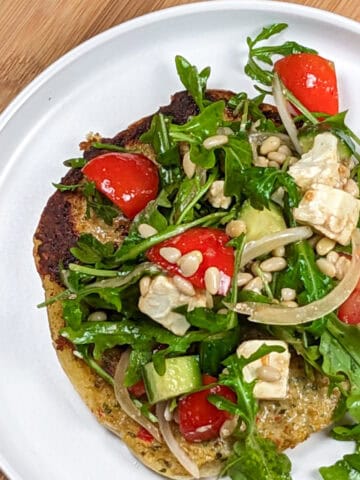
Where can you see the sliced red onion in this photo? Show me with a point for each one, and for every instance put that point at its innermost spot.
(285, 116)
(266, 244)
(174, 447)
(125, 402)
(277, 315)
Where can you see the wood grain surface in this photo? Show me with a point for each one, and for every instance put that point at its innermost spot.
(35, 33)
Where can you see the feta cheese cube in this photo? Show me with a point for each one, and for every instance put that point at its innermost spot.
(266, 390)
(162, 298)
(330, 211)
(321, 164)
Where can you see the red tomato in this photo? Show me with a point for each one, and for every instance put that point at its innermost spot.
(138, 389)
(199, 420)
(312, 79)
(349, 312)
(208, 379)
(144, 435)
(211, 242)
(129, 180)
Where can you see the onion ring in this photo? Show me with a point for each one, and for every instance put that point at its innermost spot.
(277, 315)
(285, 116)
(174, 447)
(125, 402)
(265, 244)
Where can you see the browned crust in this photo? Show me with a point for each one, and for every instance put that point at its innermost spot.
(59, 227)
(56, 233)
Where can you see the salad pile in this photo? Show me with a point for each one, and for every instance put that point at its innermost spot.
(244, 217)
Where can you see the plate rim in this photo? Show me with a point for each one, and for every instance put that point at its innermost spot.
(93, 42)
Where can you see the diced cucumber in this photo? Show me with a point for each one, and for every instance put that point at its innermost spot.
(182, 375)
(261, 222)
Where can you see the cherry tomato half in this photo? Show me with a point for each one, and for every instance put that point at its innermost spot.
(349, 311)
(138, 389)
(312, 79)
(199, 420)
(211, 242)
(129, 180)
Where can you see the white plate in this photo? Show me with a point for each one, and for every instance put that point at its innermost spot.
(103, 85)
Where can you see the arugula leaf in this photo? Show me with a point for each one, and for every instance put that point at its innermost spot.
(238, 157)
(251, 296)
(265, 54)
(207, 319)
(102, 297)
(250, 112)
(90, 251)
(267, 32)
(141, 335)
(75, 162)
(82, 351)
(339, 346)
(303, 274)
(167, 151)
(346, 469)
(201, 156)
(190, 192)
(74, 312)
(201, 126)
(238, 243)
(257, 454)
(150, 215)
(138, 359)
(258, 184)
(193, 81)
(95, 201)
(217, 347)
(345, 433)
(99, 204)
(66, 188)
(197, 129)
(353, 406)
(108, 146)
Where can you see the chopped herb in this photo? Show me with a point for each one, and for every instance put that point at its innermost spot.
(265, 54)
(193, 80)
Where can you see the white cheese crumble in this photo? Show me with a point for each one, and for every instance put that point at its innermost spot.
(321, 164)
(331, 211)
(162, 298)
(326, 205)
(280, 361)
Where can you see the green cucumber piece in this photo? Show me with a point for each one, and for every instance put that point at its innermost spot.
(261, 222)
(182, 375)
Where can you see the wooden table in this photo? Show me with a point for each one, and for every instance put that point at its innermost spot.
(35, 33)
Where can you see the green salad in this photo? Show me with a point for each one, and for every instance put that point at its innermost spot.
(242, 253)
